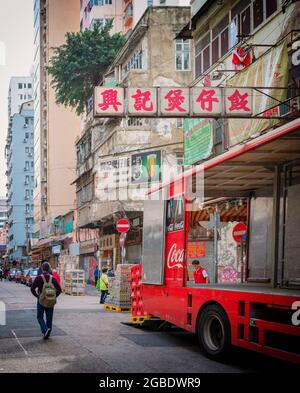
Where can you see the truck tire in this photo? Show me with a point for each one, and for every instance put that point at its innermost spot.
(214, 332)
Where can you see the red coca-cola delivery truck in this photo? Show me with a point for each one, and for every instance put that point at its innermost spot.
(244, 236)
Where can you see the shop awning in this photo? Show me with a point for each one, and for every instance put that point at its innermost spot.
(50, 240)
(249, 166)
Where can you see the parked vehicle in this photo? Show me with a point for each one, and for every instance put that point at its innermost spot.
(31, 276)
(11, 274)
(18, 276)
(23, 277)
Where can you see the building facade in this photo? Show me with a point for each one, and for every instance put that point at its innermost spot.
(3, 211)
(112, 150)
(20, 182)
(56, 127)
(20, 91)
(134, 9)
(101, 12)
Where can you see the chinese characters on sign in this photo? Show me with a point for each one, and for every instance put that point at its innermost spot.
(173, 102)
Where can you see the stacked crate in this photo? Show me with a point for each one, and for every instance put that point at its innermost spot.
(74, 282)
(119, 288)
(66, 263)
(136, 291)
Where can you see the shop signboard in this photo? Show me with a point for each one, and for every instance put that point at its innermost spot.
(56, 249)
(198, 140)
(196, 250)
(145, 167)
(173, 102)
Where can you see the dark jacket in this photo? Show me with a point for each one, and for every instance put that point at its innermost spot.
(38, 283)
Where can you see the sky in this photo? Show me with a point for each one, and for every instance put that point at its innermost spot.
(16, 39)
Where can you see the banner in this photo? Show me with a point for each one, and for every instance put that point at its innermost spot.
(198, 140)
(271, 70)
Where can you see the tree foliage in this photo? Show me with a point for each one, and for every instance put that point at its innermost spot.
(76, 67)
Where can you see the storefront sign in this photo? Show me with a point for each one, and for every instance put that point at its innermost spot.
(145, 167)
(173, 102)
(56, 249)
(198, 140)
(87, 247)
(196, 250)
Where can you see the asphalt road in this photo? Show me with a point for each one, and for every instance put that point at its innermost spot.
(86, 338)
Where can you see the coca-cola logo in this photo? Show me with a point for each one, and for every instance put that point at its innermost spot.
(175, 257)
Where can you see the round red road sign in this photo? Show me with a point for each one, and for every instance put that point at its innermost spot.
(239, 232)
(123, 225)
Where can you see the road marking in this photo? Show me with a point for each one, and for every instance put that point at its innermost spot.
(18, 341)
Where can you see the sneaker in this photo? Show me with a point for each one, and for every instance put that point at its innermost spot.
(47, 334)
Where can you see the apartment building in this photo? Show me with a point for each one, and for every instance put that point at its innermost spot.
(20, 182)
(3, 211)
(101, 12)
(55, 127)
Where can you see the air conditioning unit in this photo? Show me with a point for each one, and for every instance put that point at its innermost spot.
(26, 197)
(30, 154)
(25, 125)
(44, 179)
(24, 140)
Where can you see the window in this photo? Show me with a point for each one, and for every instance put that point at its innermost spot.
(149, 3)
(243, 18)
(26, 149)
(21, 96)
(101, 22)
(20, 85)
(102, 2)
(26, 180)
(182, 55)
(26, 166)
(135, 62)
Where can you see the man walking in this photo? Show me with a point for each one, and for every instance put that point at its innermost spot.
(48, 291)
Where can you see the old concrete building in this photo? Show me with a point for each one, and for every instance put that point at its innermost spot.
(150, 57)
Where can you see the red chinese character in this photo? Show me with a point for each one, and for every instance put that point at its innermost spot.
(110, 98)
(239, 101)
(206, 99)
(175, 99)
(141, 99)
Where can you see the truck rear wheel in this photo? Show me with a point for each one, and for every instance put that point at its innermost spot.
(214, 332)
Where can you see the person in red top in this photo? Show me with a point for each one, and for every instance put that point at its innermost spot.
(200, 274)
(56, 276)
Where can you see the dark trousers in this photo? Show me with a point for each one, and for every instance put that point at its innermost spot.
(40, 317)
(96, 279)
(103, 296)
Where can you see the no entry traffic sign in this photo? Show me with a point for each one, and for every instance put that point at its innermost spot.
(123, 225)
(239, 232)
